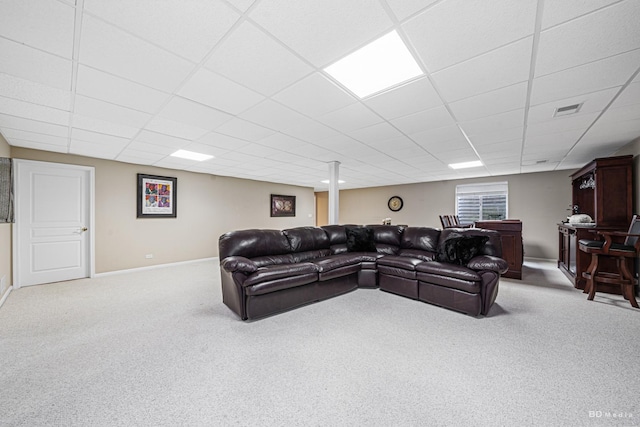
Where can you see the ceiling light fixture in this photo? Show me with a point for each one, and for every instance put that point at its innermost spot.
(326, 181)
(190, 155)
(383, 63)
(465, 165)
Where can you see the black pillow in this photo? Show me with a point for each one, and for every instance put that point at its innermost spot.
(459, 249)
(360, 239)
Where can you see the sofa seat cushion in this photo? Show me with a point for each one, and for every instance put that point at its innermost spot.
(417, 253)
(397, 261)
(280, 271)
(449, 275)
(339, 272)
(333, 262)
(281, 284)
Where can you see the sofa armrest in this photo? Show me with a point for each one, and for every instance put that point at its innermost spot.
(238, 263)
(488, 262)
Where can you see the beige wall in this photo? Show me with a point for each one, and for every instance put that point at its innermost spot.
(633, 148)
(540, 200)
(322, 208)
(5, 232)
(208, 206)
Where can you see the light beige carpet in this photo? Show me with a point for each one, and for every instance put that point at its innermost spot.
(159, 348)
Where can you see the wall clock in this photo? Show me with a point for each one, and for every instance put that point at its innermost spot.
(395, 203)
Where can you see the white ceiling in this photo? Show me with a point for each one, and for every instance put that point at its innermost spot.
(134, 81)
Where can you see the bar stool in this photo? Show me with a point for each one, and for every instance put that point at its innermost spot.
(621, 252)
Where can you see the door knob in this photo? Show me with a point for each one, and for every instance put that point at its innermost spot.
(84, 229)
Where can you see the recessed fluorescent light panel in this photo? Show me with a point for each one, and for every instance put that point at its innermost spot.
(326, 181)
(465, 165)
(379, 65)
(190, 155)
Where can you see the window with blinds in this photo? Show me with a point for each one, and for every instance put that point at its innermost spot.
(481, 202)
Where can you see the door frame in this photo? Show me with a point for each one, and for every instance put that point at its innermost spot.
(17, 214)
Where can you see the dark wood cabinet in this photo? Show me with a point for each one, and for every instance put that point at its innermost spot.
(603, 190)
(511, 238)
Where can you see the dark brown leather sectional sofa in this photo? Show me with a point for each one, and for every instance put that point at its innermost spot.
(269, 271)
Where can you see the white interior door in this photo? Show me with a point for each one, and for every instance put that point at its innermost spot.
(54, 216)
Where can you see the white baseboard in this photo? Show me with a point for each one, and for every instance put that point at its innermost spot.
(152, 267)
(6, 295)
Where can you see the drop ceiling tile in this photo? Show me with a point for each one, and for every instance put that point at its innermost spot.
(592, 102)
(13, 122)
(103, 126)
(456, 30)
(501, 149)
(405, 8)
(458, 155)
(323, 31)
(601, 34)
(38, 146)
(156, 150)
(175, 163)
(499, 68)
(244, 130)
(112, 50)
(558, 11)
(490, 103)
(259, 150)
(439, 135)
(283, 142)
(43, 24)
(248, 49)
(621, 114)
(272, 115)
(591, 77)
(629, 96)
(495, 123)
(129, 155)
(26, 110)
(198, 147)
(222, 141)
(410, 98)
(352, 117)
(101, 151)
(310, 130)
(36, 93)
(314, 96)
(378, 132)
(162, 139)
(561, 139)
(170, 127)
(424, 120)
(27, 63)
(242, 5)
(14, 134)
(495, 137)
(98, 138)
(185, 111)
(98, 109)
(188, 29)
(219, 92)
(99, 85)
(562, 124)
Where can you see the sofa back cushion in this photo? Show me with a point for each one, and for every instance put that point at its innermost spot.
(253, 243)
(302, 239)
(337, 237)
(387, 238)
(360, 239)
(420, 238)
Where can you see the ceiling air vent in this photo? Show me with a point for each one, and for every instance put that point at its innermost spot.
(569, 109)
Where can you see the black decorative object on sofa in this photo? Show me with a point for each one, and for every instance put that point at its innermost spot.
(360, 239)
(459, 249)
(265, 272)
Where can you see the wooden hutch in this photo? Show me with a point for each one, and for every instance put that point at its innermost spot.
(603, 190)
(511, 238)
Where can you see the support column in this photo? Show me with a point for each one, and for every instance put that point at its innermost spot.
(334, 192)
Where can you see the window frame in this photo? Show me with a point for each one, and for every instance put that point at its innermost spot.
(482, 189)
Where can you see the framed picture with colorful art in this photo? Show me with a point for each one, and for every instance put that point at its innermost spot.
(157, 196)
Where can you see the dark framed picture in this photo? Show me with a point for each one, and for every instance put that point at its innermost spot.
(283, 205)
(157, 196)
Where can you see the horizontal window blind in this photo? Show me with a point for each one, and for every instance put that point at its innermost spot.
(476, 202)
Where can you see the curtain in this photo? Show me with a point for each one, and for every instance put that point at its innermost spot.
(6, 190)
